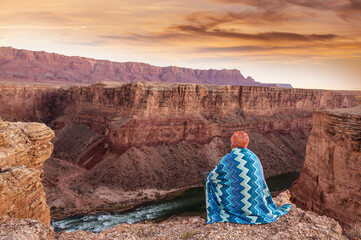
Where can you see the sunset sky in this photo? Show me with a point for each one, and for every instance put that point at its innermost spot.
(307, 43)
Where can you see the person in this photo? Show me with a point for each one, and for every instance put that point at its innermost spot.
(236, 190)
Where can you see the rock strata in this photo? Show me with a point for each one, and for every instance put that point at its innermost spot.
(330, 179)
(25, 144)
(33, 66)
(113, 139)
(23, 149)
(22, 194)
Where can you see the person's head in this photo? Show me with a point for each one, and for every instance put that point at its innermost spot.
(239, 139)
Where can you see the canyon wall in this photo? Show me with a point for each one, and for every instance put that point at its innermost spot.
(143, 114)
(23, 149)
(37, 103)
(139, 136)
(330, 179)
(118, 140)
(18, 65)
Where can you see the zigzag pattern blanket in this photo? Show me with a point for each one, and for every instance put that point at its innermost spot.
(237, 191)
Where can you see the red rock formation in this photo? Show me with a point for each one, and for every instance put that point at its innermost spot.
(23, 149)
(141, 114)
(330, 180)
(25, 144)
(132, 136)
(29, 66)
(36, 103)
(164, 136)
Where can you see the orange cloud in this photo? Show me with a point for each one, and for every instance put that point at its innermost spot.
(221, 33)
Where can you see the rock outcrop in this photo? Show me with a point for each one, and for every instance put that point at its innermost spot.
(29, 66)
(23, 149)
(330, 179)
(25, 229)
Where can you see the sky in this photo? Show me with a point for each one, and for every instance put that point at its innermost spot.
(307, 43)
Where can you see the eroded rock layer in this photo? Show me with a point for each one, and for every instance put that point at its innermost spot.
(25, 144)
(23, 149)
(330, 180)
(141, 139)
(35, 103)
(32, 66)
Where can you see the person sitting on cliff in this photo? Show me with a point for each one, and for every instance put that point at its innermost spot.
(236, 190)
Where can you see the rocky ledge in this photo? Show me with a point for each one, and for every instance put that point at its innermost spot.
(297, 224)
(23, 149)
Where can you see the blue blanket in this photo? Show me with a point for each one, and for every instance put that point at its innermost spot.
(237, 191)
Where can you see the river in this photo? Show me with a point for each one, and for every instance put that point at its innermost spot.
(191, 201)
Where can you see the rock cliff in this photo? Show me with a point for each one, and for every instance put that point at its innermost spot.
(36, 103)
(124, 144)
(29, 66)
(330, 179)
(23, 149)
(138, 136)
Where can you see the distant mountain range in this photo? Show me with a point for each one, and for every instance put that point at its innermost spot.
(18, 65)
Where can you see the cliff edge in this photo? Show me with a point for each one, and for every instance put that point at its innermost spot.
(296, 225)
(23, 149)
(330, 179)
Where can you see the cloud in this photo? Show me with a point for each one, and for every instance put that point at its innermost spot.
(184, 32)
(263, 36)
(315, 4)
(343, 8)
(295, 53)
(350, 10)
(235, 49)
(213, 19)
(83, 43)
(35, 17)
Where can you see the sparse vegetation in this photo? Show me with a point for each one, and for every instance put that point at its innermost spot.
(157, 195)
(188, 234)
(145, 233)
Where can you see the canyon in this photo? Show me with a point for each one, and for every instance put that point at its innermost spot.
(24, 66)
(330, 179)
(123, 144)
(25, 143)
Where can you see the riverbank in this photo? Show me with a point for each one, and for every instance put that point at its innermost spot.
(191, 201)
(88, 200)
(181, 202)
